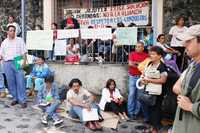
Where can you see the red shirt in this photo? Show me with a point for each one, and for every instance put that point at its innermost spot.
(136, 57)
(70, 21)
(54, 34)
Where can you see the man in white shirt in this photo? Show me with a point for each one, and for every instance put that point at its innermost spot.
(11, 22)
(11, 48)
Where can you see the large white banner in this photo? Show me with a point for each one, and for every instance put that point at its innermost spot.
(39, 40)
(137, 13)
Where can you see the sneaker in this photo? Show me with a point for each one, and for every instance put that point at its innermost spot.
(56, 120)
(44, 119)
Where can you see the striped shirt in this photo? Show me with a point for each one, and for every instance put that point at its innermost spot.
(12, 48)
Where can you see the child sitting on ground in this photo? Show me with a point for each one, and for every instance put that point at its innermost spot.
(48, 99)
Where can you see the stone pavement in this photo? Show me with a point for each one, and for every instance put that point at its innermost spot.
(17, 120)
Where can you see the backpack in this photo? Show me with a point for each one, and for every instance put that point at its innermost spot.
(169, 103)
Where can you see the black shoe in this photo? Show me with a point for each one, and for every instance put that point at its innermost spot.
(13, 103)
(133, 118)
(23, 105)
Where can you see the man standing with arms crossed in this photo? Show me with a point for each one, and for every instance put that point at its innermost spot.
(187, 87)
(11, 48)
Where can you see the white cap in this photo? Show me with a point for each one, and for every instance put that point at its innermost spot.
(191, 33)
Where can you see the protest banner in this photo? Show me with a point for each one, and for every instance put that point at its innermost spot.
(103, 33)
(39, 40)
(68, 33)
(126, 35)
(137, 13)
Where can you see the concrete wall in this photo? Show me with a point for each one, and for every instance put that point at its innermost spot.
(94, 76)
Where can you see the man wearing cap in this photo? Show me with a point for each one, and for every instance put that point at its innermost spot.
(187, 87)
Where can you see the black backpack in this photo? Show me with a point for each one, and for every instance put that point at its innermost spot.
(169, 103)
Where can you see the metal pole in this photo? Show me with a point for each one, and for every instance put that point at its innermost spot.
(23, 18)
(154, 19)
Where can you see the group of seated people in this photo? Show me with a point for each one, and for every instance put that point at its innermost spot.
(78, 98)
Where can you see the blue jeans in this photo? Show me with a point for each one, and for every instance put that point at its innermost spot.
(2, 86)
(16, 81)
(133, 104)
(76, 111)
(51, 110)
(39, 82)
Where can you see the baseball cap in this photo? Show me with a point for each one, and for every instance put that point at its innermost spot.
(191, 33)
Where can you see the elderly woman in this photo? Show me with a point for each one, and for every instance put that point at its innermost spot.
(152, 113)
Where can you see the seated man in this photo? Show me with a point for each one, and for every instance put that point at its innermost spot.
(48, 100)
(79, 99)
(39, 72)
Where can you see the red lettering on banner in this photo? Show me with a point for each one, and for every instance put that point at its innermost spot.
(132, 6)
(83, 22)
(141, 5)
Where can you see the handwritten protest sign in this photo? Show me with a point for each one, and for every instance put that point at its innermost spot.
(39, 40)
(68, 33)
(103, 33)
(60, 47)
(127, 35)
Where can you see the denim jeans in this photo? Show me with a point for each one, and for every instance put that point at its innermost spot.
(76, 111)
(16, 81)
(2, 86)
(133, 104)
(51, 110)
(39, 82)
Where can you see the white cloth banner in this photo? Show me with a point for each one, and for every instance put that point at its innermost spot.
(39, 40)
(103, 33)
(137, 13)
(60, 47)
(68, 33)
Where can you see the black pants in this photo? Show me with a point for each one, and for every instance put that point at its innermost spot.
(115, 107)
(155, 113)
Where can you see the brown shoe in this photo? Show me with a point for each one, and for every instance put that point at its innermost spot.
(13, 103)
(2, 94)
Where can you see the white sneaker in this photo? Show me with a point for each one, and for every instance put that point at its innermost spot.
(44, 119)
(57, 122)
